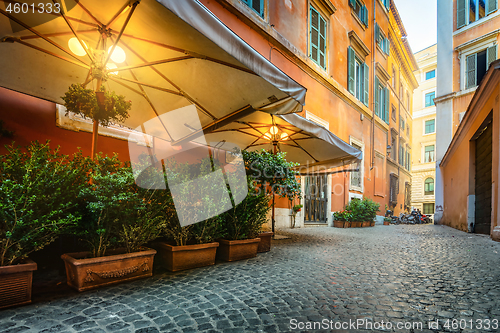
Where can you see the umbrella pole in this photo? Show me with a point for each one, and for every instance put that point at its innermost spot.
(272, 218)
(95, 131)
(275, 150)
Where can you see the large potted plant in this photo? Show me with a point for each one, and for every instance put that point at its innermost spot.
(118, 219)
(38, 187)
(190, 245)
(341, 219)
(242, 225)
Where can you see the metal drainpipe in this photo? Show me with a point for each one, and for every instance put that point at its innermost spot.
(374, 51)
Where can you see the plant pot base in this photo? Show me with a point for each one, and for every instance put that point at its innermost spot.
(89, 273)
(265, 242)
(233, 250)
(178, 258)
(16, 284)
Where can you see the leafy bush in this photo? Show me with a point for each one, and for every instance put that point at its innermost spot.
(344, 216)
(38, 188)
(117, 212)
(363, 210)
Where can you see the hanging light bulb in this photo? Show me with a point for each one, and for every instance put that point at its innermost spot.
(76, 47)
(111, 66)
(273, 130)
(118, 55)
(284, 136)
(268, 136)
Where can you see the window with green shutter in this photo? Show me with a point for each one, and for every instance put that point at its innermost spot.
(470, 11)
(256, 5)
(317, 38)
(430, 126)
(360, 10)
(358, 77)
(382, 102)
(477, 64)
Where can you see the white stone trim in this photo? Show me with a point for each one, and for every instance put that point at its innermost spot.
(361, 165)
(320, 121)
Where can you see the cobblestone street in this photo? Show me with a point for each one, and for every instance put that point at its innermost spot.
(402, 274)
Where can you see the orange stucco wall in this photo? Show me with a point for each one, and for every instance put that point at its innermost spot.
(458, 173)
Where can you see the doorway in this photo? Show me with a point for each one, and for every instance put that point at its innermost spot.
(316, 199)
(483, 160)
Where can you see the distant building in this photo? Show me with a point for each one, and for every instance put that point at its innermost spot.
(424, 132)
(468, 36)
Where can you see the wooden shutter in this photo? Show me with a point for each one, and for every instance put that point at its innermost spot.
(491, 6)
(366, 85)
(351, 70)
(258, 6)
(386, 91)
(322, 42)
(470, 71)
(377, 97)
(365, 16)
(377, 32)
(387, 46)
(491, 55)
(461, 11)
(314, 50)
(352, 3)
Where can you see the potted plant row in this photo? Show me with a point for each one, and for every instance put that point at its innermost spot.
(357, 214)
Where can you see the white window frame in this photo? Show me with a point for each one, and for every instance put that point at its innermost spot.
(424, 78)
(469, 50)
(433, 90)
(427, 144)
(361, 165)
(320, 121)
(423, 131)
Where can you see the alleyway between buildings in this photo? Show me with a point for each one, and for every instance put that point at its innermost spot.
(405, 274)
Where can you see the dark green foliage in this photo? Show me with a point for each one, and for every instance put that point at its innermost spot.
(83, 102)
(5, 133)
(272, 171)
(38, 190)
(358, 210)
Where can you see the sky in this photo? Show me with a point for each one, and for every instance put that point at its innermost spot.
(420, 21)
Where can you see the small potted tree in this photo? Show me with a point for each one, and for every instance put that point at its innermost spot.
(118, 219)
(38, 188)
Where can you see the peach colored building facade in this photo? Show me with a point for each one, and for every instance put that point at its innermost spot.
(357, 66)
(468, 36)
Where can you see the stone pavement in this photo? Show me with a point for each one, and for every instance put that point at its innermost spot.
(401, 274)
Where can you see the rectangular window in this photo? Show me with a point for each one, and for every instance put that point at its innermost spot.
(256, 5)
(407, 101)
(430, 74)
(358, 77)
(382, 41)
(402, 123)
(429, 99)
(381, 100)
(357, 176)
(477, 64)
(317, 36)
(429, 154)
(430, 126)
(470, 11)
(428, 208)
(360, 10)
(393, 146)
(393, 113)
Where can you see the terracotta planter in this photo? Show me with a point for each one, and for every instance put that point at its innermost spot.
(15, 284)
(88, 273)
(356, 224)
(372, 223)
(233, 250)
(340, 224)
(178, 258)
(365, 224)
(265, 241)
(387, 223)
(347, 224)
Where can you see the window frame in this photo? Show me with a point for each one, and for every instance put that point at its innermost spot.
(362, 14)
(249, 3)
(354, 142)
(358, 84)
(325, 52)
(431, 100)
(433, 126)
(426, 191)
(433, 153)
(463, 17)
(427, 204)
(431, 71)
(382, 100)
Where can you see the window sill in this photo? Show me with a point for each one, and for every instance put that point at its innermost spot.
(426, 134)
(358, 19)
(382, 52)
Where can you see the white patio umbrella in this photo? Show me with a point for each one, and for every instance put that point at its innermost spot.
(162, 55)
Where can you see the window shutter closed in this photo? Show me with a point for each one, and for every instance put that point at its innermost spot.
(491, 55)
(387, 46)
(386, 90)
(470, 71)
(377, 97)
(461, 5)
(366, 85)
(365, 16)
(491, 6)
(352, 3)
(377, 32)
(314, 34)
(351, 69)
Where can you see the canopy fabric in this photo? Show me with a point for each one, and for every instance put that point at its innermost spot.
(314, 147)
(177, 54)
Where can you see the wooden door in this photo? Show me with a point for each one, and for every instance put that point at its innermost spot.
(316, 199)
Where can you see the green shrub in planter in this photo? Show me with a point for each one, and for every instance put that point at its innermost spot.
(38, 187)
(116, 212)
(362, 210)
